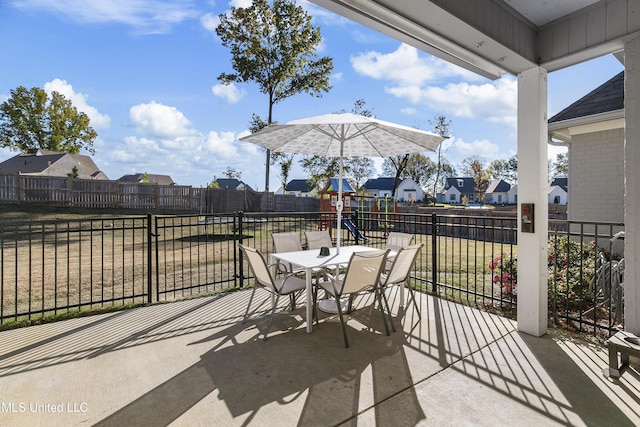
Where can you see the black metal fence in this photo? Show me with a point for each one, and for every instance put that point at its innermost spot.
(59, 267)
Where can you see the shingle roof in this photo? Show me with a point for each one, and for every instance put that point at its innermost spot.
(229, 183)
(38, 163)
(605, 98)
(301, 185)
(153, 178)
(498, 186)
(560, 182)
(468, 185)
(380, 184)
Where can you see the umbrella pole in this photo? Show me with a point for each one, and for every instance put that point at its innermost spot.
(339, 204)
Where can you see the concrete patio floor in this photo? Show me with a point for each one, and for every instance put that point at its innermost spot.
(194, 363)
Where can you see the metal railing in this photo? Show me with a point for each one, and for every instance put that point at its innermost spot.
(60, 267)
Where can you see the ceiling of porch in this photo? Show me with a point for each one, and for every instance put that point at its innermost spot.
(494, 37)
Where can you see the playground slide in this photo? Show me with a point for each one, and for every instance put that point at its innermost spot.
(353, 229)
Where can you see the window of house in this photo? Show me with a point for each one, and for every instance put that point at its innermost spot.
(461, 183)
(452, 197)
(499, 198)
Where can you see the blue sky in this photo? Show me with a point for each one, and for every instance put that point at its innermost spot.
(145, 72)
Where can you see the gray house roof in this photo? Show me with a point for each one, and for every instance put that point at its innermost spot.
(301, 185)
(560, 182)
(498, 186)
(468, 185)
(380, 184)
(231, 184)
(605, 98)
(51, 163)
(153, 179)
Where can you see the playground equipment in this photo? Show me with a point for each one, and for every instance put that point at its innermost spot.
(384, 211)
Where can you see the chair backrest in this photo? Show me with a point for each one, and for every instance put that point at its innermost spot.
(259, 267)
(402, 264)
(397, 240)
(286, 242)
(318, 239)
(363, 272)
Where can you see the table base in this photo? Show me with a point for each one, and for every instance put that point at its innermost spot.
(329, 305)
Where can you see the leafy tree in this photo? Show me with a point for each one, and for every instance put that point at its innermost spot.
(30, 120)
(560, 167)
(359, 170)
(395, 165)
(73, 173)
(145, 178)
(505, 169)
(437, 181)
(321, 169)
(442, 127)
(473, 167)
(231, 173)
(275, 47)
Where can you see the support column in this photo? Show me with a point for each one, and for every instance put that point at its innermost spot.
(632, 186)
(533, 185)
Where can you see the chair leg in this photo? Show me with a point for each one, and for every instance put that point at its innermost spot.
(384, 315)
(415, 303)
(386, 303)
(273, 313)
(244, 319)
(344, 327)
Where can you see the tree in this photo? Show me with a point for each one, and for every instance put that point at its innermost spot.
(359, 169)
(473, 167)
(30, 120)
(275, 47)
(505, 169)
(560, 167)
(442, 127)
(231, 173)
(395, 165)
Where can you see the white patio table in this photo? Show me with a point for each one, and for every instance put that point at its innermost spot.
(311, 259)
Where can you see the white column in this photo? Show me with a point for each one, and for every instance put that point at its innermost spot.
(632, 186)
(533, 186)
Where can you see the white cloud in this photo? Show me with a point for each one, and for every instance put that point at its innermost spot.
(210, 21)
(146, 16)
(495, 102)
(79, 100)
(408, 111)
(481, 148)
(160, 120)
(229, 92)
(406, 66)
(240, 3)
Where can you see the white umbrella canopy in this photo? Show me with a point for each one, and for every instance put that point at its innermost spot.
(344, 135)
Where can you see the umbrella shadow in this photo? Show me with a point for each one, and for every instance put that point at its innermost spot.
(309, 377)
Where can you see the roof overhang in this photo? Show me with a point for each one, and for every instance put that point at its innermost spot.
(562, 132)
(494, 37)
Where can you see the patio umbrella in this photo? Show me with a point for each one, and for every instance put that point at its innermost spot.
(340, 135)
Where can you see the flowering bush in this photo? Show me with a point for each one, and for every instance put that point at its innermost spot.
(571, 266)
(505, 273)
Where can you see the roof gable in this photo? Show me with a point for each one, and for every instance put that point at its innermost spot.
(498, 186)
(332, 186)
(465, 185)
(605, 98)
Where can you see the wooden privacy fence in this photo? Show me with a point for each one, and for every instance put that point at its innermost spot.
(90, 193)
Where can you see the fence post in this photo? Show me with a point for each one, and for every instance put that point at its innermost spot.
(149, 259)
(238, 261)
(434, 252)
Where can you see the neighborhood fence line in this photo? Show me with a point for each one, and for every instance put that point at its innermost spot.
(105, 194)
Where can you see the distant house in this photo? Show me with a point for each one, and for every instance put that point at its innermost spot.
(512, 195)
(52, 163)
(558, 191)
(497, 192)
(232, 184)
(455, 189)
(147, 178)
(593, 130)
(406, 190)
(296, 187)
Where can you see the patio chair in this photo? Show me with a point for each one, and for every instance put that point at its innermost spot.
(396, 241)
(287, 285)
(318, 239)
(401, 270)
(362, 275)
(286, 242)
